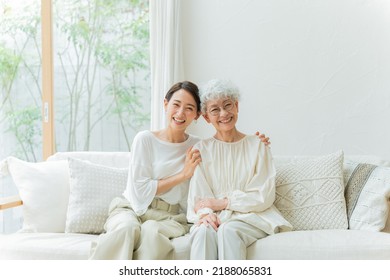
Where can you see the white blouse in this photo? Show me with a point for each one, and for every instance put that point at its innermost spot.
(243, 172)
(153, 159)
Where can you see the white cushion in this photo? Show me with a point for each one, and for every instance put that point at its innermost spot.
(45, 246)
(367, 193)
(334, 244)
(310, 193)
(92, 188)
(113, 159)
(299, 245)
(44, 189)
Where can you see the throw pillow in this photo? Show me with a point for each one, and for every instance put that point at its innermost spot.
(92, 188)
(310, 193)
(44, 189)
(367, 193)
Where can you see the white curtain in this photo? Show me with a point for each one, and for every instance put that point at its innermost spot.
(165, 54)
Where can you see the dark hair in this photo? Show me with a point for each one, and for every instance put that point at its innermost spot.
(190, 87)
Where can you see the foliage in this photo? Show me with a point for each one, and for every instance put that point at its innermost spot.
(109, 37)
(8, 69)
(22, 123)
(19, 79)
(101, 71)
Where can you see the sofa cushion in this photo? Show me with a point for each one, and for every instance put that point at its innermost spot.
(387, 226)
(64, 246)
(280, 160)
(92, 188)
(113, 159)
(322, 245)
(298, 245)
(310, 193)
(44, 190)
(45, 246)
(367, 194)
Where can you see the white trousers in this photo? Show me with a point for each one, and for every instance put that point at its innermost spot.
(229, 242)
(128, 236)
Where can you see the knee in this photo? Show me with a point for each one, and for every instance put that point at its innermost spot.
(127, 228)
(205, 233)
(122, 221)
(227, 229)
(150, 227)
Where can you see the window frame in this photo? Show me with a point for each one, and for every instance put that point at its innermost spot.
(48, 141)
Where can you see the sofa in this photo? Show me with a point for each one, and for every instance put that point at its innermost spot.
(337, 204)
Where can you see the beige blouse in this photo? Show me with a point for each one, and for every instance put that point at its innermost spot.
(243, 172)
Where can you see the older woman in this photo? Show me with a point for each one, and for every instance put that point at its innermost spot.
(232, 190)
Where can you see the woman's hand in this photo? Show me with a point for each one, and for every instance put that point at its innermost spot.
(212, 203)
(263, 139)
(192, 160)
(210, 219)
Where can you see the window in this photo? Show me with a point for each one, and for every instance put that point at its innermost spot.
(101, 81)
(101, 73)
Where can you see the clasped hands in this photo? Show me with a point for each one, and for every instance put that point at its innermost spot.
(215, 204)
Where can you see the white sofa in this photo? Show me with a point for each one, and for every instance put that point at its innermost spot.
(54, 192)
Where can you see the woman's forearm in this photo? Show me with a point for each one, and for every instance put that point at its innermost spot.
(212, 203)
(168, 183)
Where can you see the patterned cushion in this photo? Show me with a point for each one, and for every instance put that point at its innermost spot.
(310, 193)
(92, 188)
(367, 193)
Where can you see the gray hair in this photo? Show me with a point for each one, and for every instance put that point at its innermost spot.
(217, 89)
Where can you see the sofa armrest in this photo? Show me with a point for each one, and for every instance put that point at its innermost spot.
(10, 202)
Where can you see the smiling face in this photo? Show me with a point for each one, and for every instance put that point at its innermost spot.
(222, 114)
(181, 110)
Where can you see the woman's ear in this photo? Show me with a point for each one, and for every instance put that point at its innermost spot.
(206, 117)
(236, 103)
(165, 104)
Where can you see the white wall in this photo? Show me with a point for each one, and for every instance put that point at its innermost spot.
(314, 75)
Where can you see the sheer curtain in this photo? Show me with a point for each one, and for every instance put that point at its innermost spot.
(165, 54)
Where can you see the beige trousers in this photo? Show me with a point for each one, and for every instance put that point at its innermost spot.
(229, 242)
(128, 236)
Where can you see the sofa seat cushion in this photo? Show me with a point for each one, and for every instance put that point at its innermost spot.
(322, 245)
(63, 246)
(45, 246)
(298, 245)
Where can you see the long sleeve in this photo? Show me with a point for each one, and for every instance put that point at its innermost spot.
(141, 188)
(259, 193)
(199, 188)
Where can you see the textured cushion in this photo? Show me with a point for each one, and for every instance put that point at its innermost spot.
(44, 189)
(92, 188)
(310, 193)
(367, 193)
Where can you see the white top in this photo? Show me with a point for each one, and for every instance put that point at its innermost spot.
(243, 172)
(153, 159)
